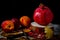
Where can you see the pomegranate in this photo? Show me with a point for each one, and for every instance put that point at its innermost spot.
(43, 15)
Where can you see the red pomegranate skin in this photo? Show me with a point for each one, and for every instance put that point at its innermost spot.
(43, 15)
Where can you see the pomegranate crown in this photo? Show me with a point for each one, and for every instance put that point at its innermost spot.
(41, 4)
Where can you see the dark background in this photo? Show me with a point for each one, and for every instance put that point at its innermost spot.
(27, 7)
(13, 3)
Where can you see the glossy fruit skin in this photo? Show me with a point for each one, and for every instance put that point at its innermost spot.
(16, 23)
(7, 26)
(25, 21)
(43, 15)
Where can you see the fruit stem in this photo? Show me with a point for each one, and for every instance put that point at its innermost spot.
(41, 5)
